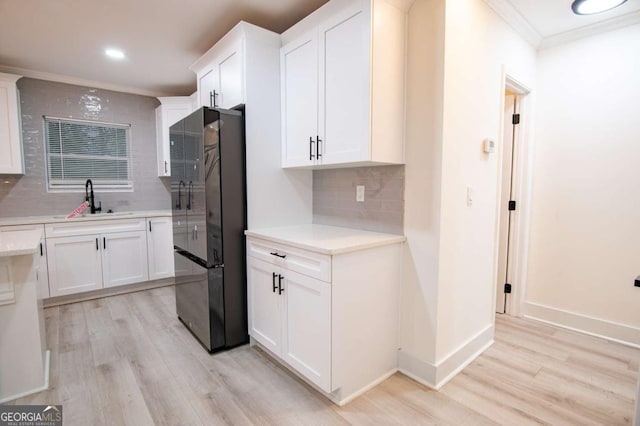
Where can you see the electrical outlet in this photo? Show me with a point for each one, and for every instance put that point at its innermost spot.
(360, 193)
(637, 283)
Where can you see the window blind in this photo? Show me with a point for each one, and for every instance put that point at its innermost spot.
(78, 150)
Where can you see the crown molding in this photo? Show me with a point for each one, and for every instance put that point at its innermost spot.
(511, 16)
(592, 29)
(41, 75)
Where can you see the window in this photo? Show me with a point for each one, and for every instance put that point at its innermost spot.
(78, 150)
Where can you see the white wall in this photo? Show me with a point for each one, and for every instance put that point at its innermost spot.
(423, 154)
(478, 44)
(585, 229)
(449, 282)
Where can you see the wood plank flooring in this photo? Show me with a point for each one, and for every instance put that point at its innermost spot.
(127, 360)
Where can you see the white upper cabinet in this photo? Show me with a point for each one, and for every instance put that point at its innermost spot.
(342, 91)
(171, 110)
(299, 74)
(220, 71)
(10, 133)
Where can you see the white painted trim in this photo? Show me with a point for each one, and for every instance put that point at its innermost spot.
(45, 386)
(437, 375)
(523, 188)
(511, 16)
(590, 30)
(366, 388)
(605, 329)
(77, 81)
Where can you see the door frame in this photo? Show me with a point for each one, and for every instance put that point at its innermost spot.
(522, 189)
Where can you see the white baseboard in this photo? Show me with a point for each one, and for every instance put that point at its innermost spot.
(45, 386)
(609, 330)
(437, 375)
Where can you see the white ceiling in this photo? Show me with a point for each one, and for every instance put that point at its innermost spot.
(552, 17)
(161, 38)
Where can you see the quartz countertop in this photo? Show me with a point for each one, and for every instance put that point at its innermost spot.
(32, 220)
(16, 243)
(325, 239)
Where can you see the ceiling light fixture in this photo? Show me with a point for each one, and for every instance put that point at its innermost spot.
(589, 7)
(114, 53)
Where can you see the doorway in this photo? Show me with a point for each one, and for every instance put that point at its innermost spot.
(510, 221)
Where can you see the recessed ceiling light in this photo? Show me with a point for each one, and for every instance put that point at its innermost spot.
(589, 7)
(114, 53)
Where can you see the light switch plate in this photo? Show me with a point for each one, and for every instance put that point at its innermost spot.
(360, 193)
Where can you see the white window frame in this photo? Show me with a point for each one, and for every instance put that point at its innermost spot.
(78, 185)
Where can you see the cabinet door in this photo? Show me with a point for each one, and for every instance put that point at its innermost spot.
(230, 77)
(299, 97)
(265, 318)
(344, 104)
(208, 85)
(10, 137)
(307, 327)
(166, 116)
(74, 264)
(160, 247)
(124, 258)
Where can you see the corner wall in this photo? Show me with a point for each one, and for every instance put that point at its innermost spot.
(585, 227)
(457, 51)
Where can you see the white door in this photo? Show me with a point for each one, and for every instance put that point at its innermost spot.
(74, 264)
(307, 327)
(344, 106)
(124, 258)
(265, 304)
(208, 88)
(505, 246)
(10, 137)
(299, 97)
(230, 77)
(160, 247)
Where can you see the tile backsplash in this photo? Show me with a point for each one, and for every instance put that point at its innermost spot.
(27, 195)
(334, 198)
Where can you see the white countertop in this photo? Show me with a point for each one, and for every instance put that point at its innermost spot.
(325, 239)
(16, 243)
(31, 220)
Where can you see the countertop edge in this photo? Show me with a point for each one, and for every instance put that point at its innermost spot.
(19, 252)
(355, 247)
(43, 220)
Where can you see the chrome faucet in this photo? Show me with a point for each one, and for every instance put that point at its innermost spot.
(90, 198)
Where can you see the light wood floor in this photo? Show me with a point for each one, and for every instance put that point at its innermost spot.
(128, 360)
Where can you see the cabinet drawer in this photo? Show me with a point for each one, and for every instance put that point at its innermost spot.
(305, 262)
(73, 228)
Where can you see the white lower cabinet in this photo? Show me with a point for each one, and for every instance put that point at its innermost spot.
(124, 258)
(42, 273)
(160, 247)
(331, 318)
(291, 317)
(91, 255)
(75, 264)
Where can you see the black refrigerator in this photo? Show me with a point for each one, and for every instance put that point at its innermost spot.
(208, 195)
